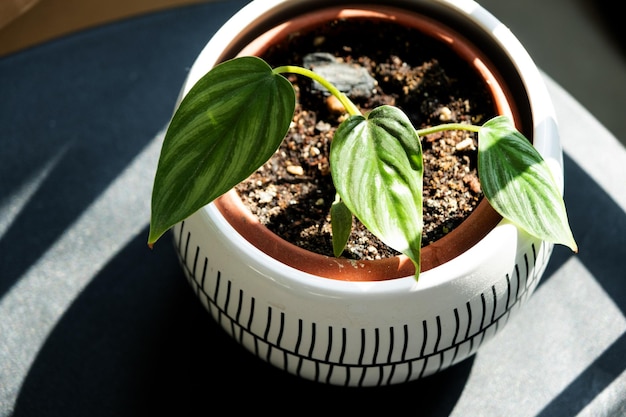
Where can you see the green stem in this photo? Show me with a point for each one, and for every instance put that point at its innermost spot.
(447, 126)
(350, 107)
(353, 110)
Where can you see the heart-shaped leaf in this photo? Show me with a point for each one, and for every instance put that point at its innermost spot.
(376, 163)
(227, 126)
(519, 185)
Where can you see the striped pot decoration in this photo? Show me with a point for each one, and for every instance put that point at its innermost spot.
(357, 333)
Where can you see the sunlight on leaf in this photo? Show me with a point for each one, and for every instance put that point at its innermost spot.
(519, 185)
(376, 163)
(227, 126)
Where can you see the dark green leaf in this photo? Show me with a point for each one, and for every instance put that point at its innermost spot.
(341, 224)
(376, 163)
(226, 127)
(519, 185)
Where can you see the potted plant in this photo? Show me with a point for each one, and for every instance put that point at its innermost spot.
(346, 321)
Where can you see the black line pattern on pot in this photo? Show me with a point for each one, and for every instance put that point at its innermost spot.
(383, 363)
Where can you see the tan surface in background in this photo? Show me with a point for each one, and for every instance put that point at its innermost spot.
(25, 23)
(10, 9)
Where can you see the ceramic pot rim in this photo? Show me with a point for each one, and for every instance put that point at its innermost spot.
(395, 267)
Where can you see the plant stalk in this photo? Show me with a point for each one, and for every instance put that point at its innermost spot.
(350, 107)
(448, 126)
(353, 110)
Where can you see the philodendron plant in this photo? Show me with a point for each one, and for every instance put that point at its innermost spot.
(235, 117)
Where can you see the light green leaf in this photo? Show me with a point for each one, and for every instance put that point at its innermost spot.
(376, 163)
(341, 224)
(227, 126)
(519, 185)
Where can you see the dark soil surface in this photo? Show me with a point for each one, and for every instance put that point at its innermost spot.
(292, 193)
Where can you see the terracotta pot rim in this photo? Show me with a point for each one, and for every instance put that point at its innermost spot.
(482, 220)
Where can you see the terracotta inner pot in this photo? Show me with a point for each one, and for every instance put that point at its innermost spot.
(468, 233)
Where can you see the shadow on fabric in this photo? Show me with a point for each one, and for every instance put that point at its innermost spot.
(598, 224)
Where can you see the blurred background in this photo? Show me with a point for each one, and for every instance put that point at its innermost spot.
(575, 42)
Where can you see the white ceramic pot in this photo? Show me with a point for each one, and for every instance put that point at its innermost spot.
(370, 332)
